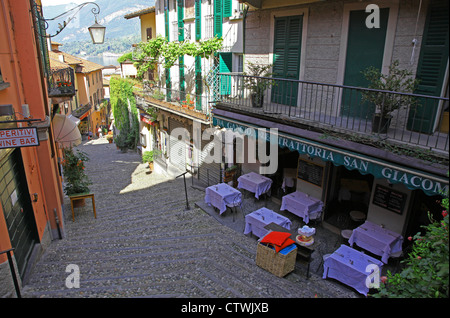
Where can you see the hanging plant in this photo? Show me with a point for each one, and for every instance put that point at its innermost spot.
(150, 52)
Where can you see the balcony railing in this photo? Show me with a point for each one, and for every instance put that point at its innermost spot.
(61, 83)
(177, 100)
(418, 120)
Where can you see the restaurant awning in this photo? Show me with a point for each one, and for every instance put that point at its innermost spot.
(146, 118)
(412, 178)
(66, 130)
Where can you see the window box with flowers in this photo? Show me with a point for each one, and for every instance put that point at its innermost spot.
(76, 180)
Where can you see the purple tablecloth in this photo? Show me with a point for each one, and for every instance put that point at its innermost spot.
(257, 220)
(380, 241)
(301, 204)
(222, 195)
(350, 267)
(255, 183)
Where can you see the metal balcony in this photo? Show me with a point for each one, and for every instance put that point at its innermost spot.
(61, 83)
(417, 122)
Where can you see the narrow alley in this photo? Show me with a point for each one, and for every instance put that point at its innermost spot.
(144, 244)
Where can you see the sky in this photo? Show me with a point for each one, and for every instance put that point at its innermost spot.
(56, 2)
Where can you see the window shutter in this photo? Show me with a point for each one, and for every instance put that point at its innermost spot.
(218, 17)
(227, 8)
(198, 82)
(198, 20)
(434, 51)
(431, 67)
(166, 22)
(180, 13)
(225, 66)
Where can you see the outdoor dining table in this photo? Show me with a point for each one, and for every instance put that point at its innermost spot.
(255, 183)
(222, 195)
(350, 267)
(257, 220)
(376, 239)
(301, 204)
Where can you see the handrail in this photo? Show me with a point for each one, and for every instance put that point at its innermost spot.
(13, 271)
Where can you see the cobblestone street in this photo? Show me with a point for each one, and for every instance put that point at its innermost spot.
(144, 244)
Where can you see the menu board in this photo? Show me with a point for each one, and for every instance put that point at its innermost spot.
(310, 172)
(389, 199)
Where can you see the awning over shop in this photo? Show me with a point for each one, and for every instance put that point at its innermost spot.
(147, 119)
(413, 179)
(66, 130)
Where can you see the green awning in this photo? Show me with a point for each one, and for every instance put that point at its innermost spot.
(413, 179)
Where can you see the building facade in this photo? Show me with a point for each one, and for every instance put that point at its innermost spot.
(182, 94)
(30, 182)
(326, 141)
(88, 102)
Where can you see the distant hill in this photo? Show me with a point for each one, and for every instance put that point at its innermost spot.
(111, 16)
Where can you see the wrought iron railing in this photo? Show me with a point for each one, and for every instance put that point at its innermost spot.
(61, 82)
(413, 119)
(177, 98)
(13, 271)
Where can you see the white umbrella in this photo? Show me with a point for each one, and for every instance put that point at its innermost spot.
(66, 130)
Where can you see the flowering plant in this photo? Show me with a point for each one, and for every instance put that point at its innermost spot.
(426, 274)
(74, 175)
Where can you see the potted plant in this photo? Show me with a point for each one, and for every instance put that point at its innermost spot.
(77, 182)
(397, 80)
(149, 156)
(110, 137)
(121, 141)
(256, 84)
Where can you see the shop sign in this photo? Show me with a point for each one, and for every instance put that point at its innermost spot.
(18, 137)
(365, 165)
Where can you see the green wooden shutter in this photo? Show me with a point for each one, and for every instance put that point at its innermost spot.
(287, 48)
(182, 78)
(166, 19)
(198, 82)
(167, 71)
(373, 41)
(180, 12)
(198, 20)
(227, 8)
(225, 66)
(218, 17)
(431, 67)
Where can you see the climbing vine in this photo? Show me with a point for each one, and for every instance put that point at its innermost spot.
(125, 112)
(150, 52)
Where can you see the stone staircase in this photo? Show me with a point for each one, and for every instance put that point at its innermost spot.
(144, 244)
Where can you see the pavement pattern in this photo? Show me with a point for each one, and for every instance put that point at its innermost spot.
(144, 244)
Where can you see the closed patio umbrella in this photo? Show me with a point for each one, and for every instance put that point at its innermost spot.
(66, 130)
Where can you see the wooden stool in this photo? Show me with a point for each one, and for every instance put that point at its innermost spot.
(82, 196)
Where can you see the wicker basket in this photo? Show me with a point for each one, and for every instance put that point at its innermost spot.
(276, 263)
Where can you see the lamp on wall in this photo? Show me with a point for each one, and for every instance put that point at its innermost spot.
(96, 30)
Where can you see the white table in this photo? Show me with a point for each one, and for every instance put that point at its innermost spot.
(380, 241)
(350, 267)
(255, 183)
(222, 195)
(301, 204)
(257, 220)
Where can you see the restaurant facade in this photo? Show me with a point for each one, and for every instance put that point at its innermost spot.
(326, 142)
(388, 192)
